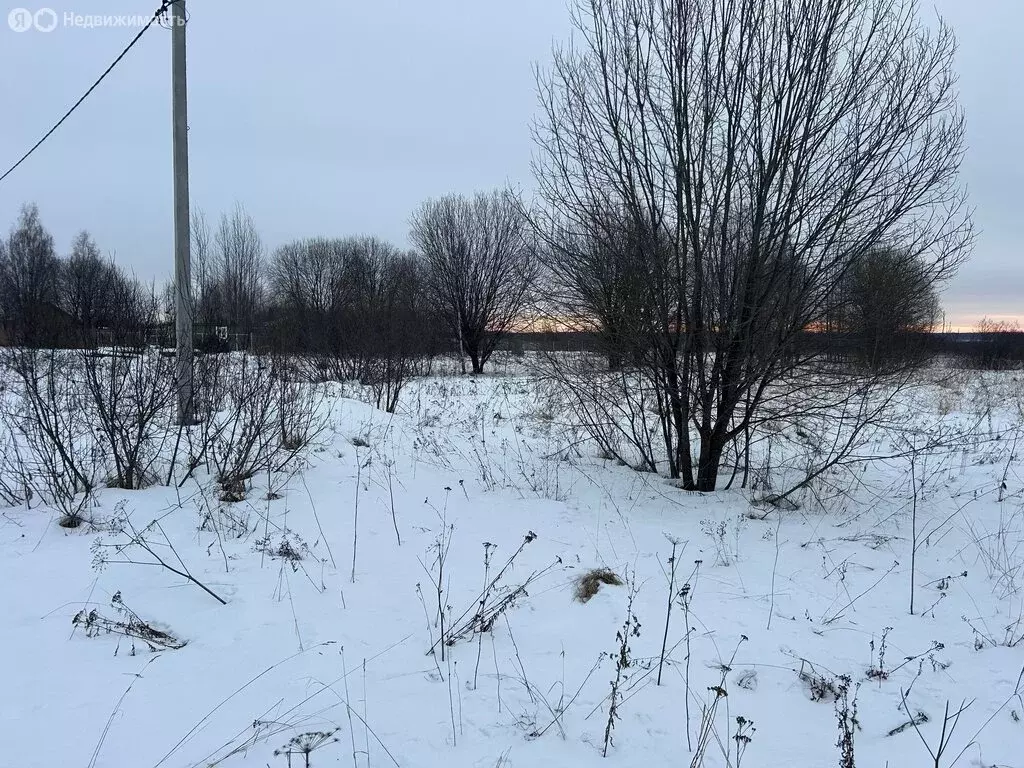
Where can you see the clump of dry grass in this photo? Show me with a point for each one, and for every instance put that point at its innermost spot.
(232, 491)
(590, 583)
(129, 624)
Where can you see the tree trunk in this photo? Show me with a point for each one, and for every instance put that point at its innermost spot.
(711, 450)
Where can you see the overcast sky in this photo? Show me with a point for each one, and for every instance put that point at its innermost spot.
(337, 117)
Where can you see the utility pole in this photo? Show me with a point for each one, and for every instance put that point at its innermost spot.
(182, 255)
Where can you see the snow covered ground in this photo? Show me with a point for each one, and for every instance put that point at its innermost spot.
(331, 610)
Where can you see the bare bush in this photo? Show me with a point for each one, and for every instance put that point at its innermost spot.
(1000, 346)
(131, 396)
(58, 459)
(13, 483)
(260, 419)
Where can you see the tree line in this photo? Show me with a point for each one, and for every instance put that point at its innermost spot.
(484, 274)
(46, 299)
(353, 304)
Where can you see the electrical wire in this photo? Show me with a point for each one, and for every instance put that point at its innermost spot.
(157, 16)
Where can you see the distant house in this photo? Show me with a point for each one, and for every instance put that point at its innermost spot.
(52, 327)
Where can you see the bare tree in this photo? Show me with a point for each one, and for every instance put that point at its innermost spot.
(361, 272)
(306, 284)
(594, 281)
(307, 275)
(208, 305)
(28, 281)
(400, 329)
(482, 263)
(86, 283)
(358, 306)
(205, 297)
(96, 294)
(237, 270)
(888, 301)
(761, 150)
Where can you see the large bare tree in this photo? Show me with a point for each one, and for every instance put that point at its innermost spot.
(322, 288)
(86, 284)
(307, 275)
(482, 262)
(28, 280)
(760, 150)
(237, 270)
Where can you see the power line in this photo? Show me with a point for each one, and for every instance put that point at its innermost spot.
(157, 15)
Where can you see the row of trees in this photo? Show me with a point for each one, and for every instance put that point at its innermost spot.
(484, 270)
(46, 299)
(345, 300)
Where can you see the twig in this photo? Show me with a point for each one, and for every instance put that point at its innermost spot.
(348, 707)
(113, 712)
(672, 562)
(839, 613)
(312, 506)
(775, 568)
(391, 494)
(355, 516)
(224, 701)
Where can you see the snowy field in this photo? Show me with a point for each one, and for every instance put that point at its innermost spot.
(476, 497)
